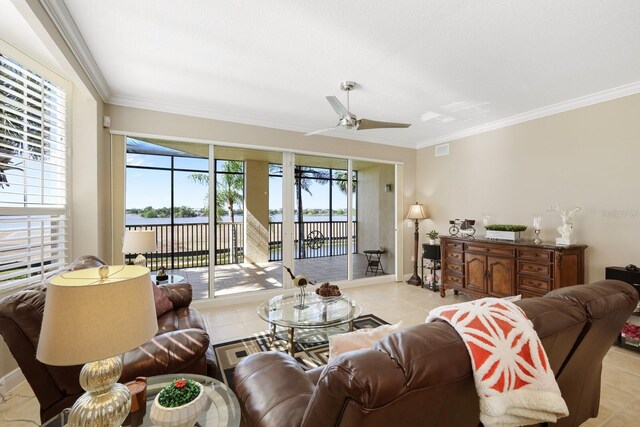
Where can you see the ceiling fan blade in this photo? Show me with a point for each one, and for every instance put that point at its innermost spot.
(338, 107)
(315, 132)
(364, 124)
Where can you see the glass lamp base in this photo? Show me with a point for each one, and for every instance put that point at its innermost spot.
(140, 260)
(105, 402)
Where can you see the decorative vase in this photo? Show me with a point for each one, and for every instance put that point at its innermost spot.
(432, 241)
(180, 416)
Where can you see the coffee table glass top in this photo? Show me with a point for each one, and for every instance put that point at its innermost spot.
(222, 409)
(319, 312)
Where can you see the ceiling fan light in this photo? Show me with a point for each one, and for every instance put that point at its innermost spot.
(346, 122)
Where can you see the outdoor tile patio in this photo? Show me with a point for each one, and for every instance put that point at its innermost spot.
(237, 278)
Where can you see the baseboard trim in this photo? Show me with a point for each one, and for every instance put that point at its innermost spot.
(11, 381)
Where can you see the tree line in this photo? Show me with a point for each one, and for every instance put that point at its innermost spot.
(179, 212)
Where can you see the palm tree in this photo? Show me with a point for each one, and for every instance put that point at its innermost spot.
(228, 194)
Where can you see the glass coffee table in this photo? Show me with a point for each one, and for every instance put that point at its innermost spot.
(319, 315)
(222, 408)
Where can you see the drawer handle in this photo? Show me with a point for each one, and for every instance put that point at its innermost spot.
(534, 284)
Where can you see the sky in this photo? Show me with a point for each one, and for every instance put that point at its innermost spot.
(153, 187)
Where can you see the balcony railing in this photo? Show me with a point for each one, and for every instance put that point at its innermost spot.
(187, 245)
(321, 239)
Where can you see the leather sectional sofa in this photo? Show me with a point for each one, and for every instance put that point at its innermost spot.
(180, 346)
(421, 376)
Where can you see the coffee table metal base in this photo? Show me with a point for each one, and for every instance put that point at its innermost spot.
(290, 336)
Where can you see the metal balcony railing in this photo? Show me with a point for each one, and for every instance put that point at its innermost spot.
(187, 245)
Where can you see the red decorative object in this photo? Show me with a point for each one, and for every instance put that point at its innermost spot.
(629, 330)
(180, 383)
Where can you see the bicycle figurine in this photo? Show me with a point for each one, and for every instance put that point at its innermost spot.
(315, 239)
(462, 226)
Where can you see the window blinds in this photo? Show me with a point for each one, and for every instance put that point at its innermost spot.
(33, 177)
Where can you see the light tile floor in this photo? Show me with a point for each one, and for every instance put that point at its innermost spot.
(392, 302)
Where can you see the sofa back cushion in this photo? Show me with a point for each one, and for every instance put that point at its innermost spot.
(607, 305)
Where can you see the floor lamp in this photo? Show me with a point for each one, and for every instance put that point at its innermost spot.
(416, 212)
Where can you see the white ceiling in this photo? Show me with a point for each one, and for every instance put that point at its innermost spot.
(450, 68)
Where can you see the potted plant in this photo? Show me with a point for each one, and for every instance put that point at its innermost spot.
(433, 235)
(179, 404)
(504, 231)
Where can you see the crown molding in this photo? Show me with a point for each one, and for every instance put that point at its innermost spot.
(561, 107)
(208, 114)
(59, 14)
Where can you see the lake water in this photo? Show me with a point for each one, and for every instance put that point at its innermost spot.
(138, 220)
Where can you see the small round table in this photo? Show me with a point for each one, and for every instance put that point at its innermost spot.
(171, 278)
(318, 313)
(223, 408)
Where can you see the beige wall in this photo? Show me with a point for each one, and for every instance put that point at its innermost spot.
(139, 121)
(256, 189)
(587, 157)
(376, 221)
(368, 206)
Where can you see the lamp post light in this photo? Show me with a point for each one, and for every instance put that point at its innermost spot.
(416, 213)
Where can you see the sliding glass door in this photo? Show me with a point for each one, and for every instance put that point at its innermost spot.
(228, 219)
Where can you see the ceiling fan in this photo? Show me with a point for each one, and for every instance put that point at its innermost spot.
(349, 120)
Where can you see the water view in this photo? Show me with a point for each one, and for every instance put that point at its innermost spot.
(139, 220)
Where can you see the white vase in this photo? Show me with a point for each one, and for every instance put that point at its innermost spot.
(180, 416)
(432, 241)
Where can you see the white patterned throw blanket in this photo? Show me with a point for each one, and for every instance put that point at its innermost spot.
(511, 370)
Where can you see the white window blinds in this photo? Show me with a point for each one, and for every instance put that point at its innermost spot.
(33, 177)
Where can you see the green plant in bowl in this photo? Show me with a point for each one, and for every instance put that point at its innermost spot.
(180, 392)
(506, 227)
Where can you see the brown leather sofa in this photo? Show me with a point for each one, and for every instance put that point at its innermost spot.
(180, 346)
(421, 376)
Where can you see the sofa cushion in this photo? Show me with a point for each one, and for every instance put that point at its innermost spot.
(163, 304)
(360, 339)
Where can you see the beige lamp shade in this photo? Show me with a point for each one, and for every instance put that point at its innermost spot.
(139, 242)
(87, 318)
(416, 212)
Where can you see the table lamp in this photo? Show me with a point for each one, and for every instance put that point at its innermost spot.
(139, 242)
(416, 212)
(92, 316)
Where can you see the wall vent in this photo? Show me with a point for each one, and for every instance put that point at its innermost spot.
(442, 150)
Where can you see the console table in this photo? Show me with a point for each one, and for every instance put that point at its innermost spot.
(484, 267)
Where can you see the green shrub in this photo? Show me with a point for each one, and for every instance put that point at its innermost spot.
(181, 391)
(506, 227)
(433, 234)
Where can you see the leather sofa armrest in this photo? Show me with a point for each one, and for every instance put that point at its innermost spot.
(167, 353)
(314, 374)
(180, 294)
(272, 389)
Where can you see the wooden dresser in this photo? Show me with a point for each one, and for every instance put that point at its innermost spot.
(482, 267)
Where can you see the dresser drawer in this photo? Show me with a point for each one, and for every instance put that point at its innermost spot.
(454, 256)
(489, 250)
(453, 246)
(458, 268)
(531, 293)
(450, 278)
(530, 283)
(540, 255)
(533, 268)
